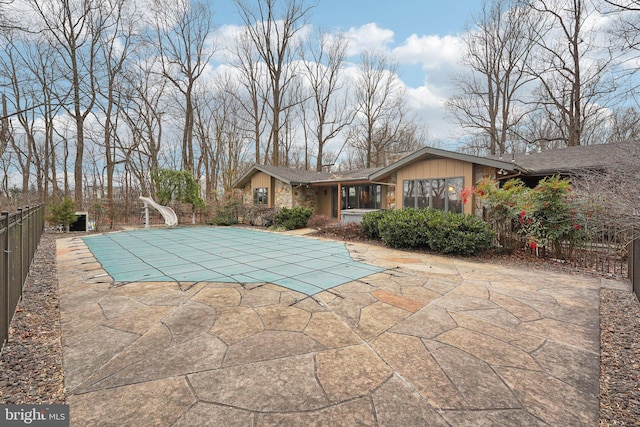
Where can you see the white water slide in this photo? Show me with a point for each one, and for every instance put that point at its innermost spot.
(169, 215)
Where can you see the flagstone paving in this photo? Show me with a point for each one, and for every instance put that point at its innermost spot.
(428, 341)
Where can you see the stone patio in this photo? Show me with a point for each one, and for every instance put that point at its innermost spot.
(430, 341)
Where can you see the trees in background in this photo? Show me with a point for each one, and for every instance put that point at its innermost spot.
(544, 74)
(101, 92)
(327, 111)
(382, 124)
(491, 100)
(180, 36)
(272, 26)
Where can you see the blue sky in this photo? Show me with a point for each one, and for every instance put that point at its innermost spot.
(420, 35)
(404, 17)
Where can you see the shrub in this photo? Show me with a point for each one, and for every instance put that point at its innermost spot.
(404, 228)
(224, 213)
(223, 217)
(257, 215)
(291, 219)
(369, 223)
(444, 232)
(63, 213)
(318, 222)
(549, 214)
(454, 233)
(348, 231)
(503, 205)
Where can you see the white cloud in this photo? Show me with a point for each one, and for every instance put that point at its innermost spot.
(367, 37)
(431, 51)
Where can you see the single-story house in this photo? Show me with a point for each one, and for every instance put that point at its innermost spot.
(430, 177)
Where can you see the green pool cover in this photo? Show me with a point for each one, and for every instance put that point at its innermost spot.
(230, 255)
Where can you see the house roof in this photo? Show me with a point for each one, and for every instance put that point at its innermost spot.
(572, 159)
(563, 160)
(284, 174)
(430, 152)
(355, 175)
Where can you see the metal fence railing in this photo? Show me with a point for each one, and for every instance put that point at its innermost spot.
(20, 234)
(634, 266)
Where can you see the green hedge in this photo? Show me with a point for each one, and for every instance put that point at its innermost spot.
(444, 232)
(292, 219)
(369, 223)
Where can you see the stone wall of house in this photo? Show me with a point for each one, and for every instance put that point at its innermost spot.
(283, 196)
(391, 197)
(247, 195)
(391, 192)
(290, 197)
(305, 197)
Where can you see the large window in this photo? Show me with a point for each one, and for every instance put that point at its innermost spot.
(260, 196)
(439, 193)
(361, 197)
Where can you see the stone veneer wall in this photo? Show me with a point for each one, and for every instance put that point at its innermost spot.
(247, 195)
(283, 197)
(305, 197)
(289, 197)
(391, 197)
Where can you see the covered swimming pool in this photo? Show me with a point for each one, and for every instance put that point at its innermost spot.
(228, 255)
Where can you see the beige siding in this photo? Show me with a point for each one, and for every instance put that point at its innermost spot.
(324, 201)
(436, 168)
(261, 180)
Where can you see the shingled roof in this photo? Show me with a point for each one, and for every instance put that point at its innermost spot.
(288, 175)
(573, 159)
(563, 161)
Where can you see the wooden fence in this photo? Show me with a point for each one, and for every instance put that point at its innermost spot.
(20, 234)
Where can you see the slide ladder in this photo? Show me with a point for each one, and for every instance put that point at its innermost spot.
(169, 215)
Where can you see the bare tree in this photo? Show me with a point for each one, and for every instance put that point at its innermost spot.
(382, 122)
(232, 139)
(323, 57)
(144, 118)
(74, 29)
(603, 191)
(272, 27)
(182, 29)
(490, 100)
(630, 5)
(570, 92)
(252, 95)
(115, 48)
(624, 125)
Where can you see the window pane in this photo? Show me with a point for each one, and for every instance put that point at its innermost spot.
(454, 190)
(368, 196)
(260, 196)
(423, 188)
(438, 193)
(408, 194)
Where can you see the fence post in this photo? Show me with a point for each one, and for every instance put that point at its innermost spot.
(20, 233)
(634, 266)
(4, 281)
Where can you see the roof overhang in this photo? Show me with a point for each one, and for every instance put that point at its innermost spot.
(246, 177)
(430, 152)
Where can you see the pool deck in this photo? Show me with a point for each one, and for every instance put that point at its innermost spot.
(429, 340)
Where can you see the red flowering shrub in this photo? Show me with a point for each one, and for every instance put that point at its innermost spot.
(549, 213)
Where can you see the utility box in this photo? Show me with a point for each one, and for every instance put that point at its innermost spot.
(81, 222)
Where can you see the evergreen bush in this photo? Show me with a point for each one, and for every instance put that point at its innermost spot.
(63, 213)
(369, 223)
(444, 232)
(291, 219)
